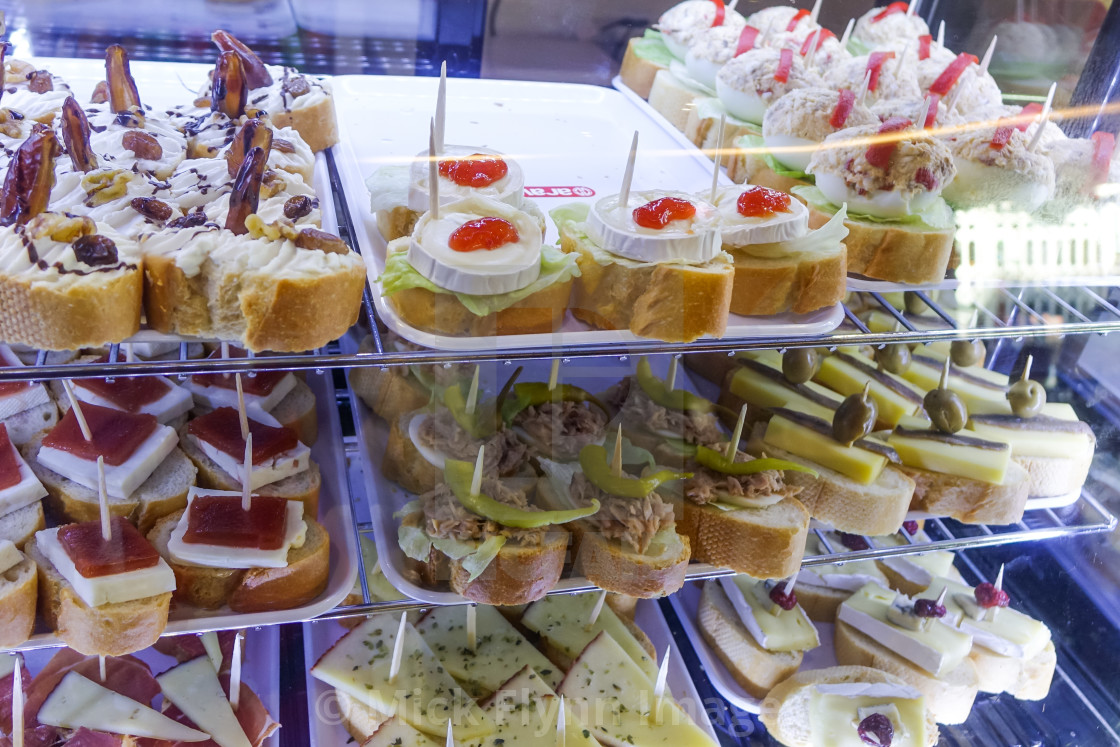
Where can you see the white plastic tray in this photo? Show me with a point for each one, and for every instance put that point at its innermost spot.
(571, 141)
(260, 669)
(325, 725)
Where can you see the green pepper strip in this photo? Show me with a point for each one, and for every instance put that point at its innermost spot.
(716, 460)
(531, 394)
(459, 475)
(481, 423)
(597, 469)
(673, 399)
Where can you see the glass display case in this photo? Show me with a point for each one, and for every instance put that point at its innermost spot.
(893, 292)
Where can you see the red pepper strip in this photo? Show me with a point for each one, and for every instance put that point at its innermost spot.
(875, 62)
(931, 115)
(890, 10)
(821, 36)
(844, 106)
(747, 38)
(923, 46)
(1027, 115)
(1001, 137)
(952, 73)
(721, 13)
(1104, 145)
(785, 64)
(879, 153)
(796, 19)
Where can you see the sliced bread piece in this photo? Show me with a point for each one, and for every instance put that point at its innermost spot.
(24, 426)
(20, 525)
(359, 720)
(673, 98)
(19, 589)
(519, 574)
(753, 667)
(112, 629)
(969, 500)
(638, 72)
(302, 486)
(390, 392)
(766, 542)
(445, 314)
(801, 282)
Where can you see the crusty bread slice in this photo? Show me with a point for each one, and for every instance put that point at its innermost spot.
(744, 167)
(389, 392)
(254, 589)
(702, 129)
(1037, 674)
(359, 720)
(756, 669)
(968, 500)
(19, 526)
(665, 301)
(24, 426)
(801, 282)
(91, 310)
(1055, 476)
(519, 574)
(19, 589)
(764, 542)
(843, 503)
(396, 223)
(637, 72)
(948, 697)
(405, 465)
(316, 124)
(895, 252)
(302, 486)
(607, 564)
(672, 98)
(444, 314)
(111, 629)
(785, 712)
(821, 602)
(1026, 679)
(164, 491)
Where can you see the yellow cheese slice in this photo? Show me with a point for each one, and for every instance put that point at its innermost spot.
(835, 713)
(847, 379)
(526, 712)
(988, 464)
(859, 464)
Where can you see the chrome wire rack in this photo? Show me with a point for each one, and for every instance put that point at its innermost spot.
(1008, 310)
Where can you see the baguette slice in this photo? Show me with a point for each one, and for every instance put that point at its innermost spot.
(20, 525)
(164, 491)
(673, 98)
(637, 72)
(359, 720)
(756, 669)
(253, 589)
(390, 392)
(665, 301)
(404, 464)
(302, 486)
(800, 282)
(702, 127)
(785, 712)
(444, 314)
(895, 252)
(519, 574)
(764, 542)
(843, 503)
(316, 124)
(24, 426)
(111, 629)
(19, 589)
(607, 564)
(968, 500)
(949, 698)
(821, 603)
(1055, 476)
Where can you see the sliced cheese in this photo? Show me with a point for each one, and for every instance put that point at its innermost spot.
(605, 680)
(835, 711)
(121, 480)
(526, 711)
(762, 391)
(78, 702)
(773, 628)
(112, 589)
(10, 556)
(859, 464)
(1009, 632)
(213, 397)
(1038, 442)
(845, 377)
(500, 651)
(919, 569)
(213, 649)
(194, 689)
(221, 556)
(176, 401)
(359, 664)
(695, 239)
(273, 469)
(23, 493)
(562, 622)
(985, 460)
(396, 733)
(24, 398)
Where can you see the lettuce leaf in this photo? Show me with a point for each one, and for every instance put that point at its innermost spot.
(651, 47)
(631, 454)
(559, 476)
(409, 508)
(414, 542)
(556, 267)
(821, 241)
(473, 556)
(756, 141)
(680, 72)
(937, 217)
(856, 47)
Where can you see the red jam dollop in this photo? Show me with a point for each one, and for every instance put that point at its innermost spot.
(890, 10)
(127, 549)
(221, 428)
(879, 153)
(661, 212)
(952, 73)
(785, 64)
(780, 597)
(875, 62)
(485, 233)
(260, 385)
(116, 434)
(762, 202)
(476, 171)
(128, 393)
(9, 463)
(843, 109)
(220, 520)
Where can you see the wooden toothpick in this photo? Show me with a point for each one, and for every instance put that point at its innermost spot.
(616, 459)
(1043, 118)
(554, 374)
(241, 414)
(103, 501)
(101, 666)
(628, 176)
(815, 13)
(87, 434)
(671, 379)
(719, 156)
(561, 725)
(847, 33)
(440, 122)
(17, 705)
(597, 609)
(476, 478)
(235, 672)
(247, 475)
(433, 174)
(472, 627)
(988, 55)
(472, 394)
(733, 444)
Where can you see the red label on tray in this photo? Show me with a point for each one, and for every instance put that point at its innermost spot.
(559, 192)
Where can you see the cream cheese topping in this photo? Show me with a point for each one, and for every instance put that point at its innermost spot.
(116, 588)
(52, 262)
(108, 144)
(40, 107)
(220, 556)
(694, 240)
(278, 97)
(509, 189)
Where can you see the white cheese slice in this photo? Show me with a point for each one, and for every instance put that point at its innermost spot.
(743, 608)
(23, 493)
(213, 649)
(1009, 633)
(504, 269)
(695, 239)
(919, 569)
(772, 627)
(10, 557)
(275, 468)
(835, 711)
(112, 589)
(176, 401)
(154, 349)
(8, 663)
(837, 577)
(220, 556)
(120, 480)
(25, 398)
(509, 189)
(194, 689)
(741, 230)
(78, 702)
(214, 397)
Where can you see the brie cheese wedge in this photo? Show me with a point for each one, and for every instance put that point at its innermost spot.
(741, 230)
(696, 239)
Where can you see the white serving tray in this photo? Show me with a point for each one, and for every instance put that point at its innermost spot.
(325, 724)
(260, 669)
(571, 141)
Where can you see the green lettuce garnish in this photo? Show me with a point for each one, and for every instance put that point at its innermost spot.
(779, 168)
(651, 47)
(937, 217)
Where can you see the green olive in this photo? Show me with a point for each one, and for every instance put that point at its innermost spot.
(946, 410)
(894, 358)
(800, 364)
(967, 353)
(854, 418)
(1027, 397)
(914, 304)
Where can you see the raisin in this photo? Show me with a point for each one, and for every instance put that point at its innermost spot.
(929, 608)
(95, 250)
(152, 208)
(282, 145)
(297, 207)
(144, 145)
(190, 220)
(876, 730)
(39, 81)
